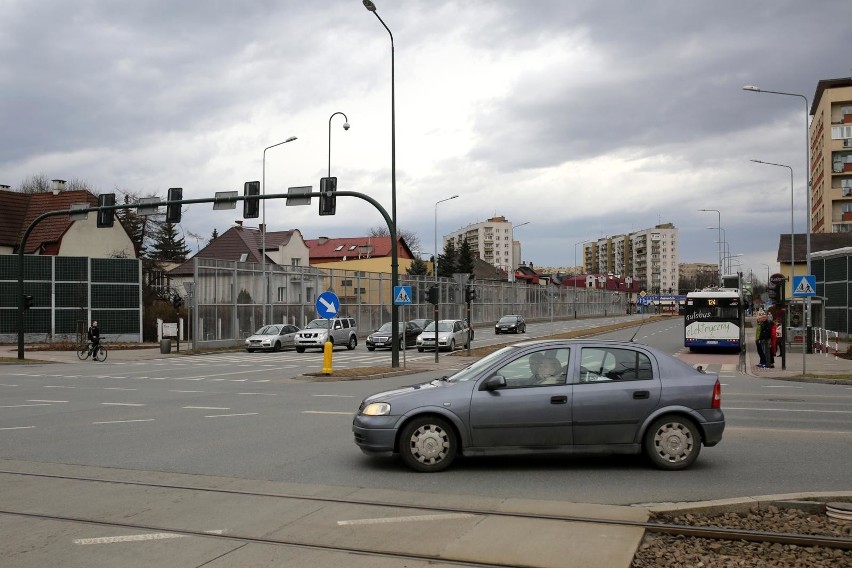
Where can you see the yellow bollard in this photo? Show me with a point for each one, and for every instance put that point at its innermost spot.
(327, 350)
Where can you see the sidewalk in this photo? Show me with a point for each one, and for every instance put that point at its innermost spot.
(821, 367)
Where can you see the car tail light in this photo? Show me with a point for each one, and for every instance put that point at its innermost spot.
(717, 395)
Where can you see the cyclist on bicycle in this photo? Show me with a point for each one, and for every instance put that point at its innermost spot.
(94, 335)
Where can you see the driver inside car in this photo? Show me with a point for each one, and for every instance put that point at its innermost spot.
(549, 372)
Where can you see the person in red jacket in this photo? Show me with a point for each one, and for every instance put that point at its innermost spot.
(773, 343)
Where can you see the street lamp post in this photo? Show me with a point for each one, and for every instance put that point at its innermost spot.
(511, 274)
(435, 270)
(263, 230)
(368, 4)
(792, 225)
(808, 347)
(719, 228)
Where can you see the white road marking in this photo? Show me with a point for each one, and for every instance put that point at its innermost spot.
(58, 387)
(335, 395)
(323, 412)
(121, 404)
(780, 387)
(237, 380)
(226, 415)
(261, 381)
(47, 401)
(413, 518)
(123, 421)
(793, 410)
(135, 537)
(260, 393)
(183, 391)
(22, 405)
(17, 428)
(5, 385)
(206, 408)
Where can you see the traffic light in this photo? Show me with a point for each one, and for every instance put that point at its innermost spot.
(106, 218)
(328, 199)
(28, 302)
(469, 294)
(173, 211)
(432, 295)
(251, 204)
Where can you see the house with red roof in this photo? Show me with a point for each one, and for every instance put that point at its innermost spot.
(368, 254)
(59, 235)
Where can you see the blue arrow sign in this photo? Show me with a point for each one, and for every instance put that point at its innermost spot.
(804, 286)
(328, 305)
(402, 295)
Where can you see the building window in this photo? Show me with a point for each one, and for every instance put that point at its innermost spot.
(339, 248)
(295, 262)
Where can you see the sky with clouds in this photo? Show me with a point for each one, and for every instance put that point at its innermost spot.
(583, 118)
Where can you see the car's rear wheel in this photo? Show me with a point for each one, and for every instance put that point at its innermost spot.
(672, 443)
(427, 444)
(353, 341)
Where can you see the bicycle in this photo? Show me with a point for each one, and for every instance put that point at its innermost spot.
(84, 351)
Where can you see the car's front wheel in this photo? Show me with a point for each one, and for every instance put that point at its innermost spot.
(300, 349)
(353, 341)
(249, 350)
(419, 349)
(672, 443)
(452, 346)
(277, 346)
(427, 444)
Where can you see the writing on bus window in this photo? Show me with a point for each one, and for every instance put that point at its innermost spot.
(709, 330)
(699, 315)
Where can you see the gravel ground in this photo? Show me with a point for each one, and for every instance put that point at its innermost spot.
(687, 552)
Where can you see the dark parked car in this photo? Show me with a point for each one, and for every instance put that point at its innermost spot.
(408, 332)
(272, 338)
(579, 396)
(510, 324)
(421, 323)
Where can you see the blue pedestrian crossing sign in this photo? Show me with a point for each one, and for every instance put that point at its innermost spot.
(804, 286)
(401, 295)
(328, 305)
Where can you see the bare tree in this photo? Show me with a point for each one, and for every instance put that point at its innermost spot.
(39, 183)
(410, 237)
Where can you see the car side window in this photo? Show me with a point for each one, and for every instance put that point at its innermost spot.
(611, 364)
(539, 369)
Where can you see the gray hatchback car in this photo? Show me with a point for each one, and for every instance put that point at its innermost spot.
(583, 396)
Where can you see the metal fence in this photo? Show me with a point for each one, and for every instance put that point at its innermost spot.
(227, 301)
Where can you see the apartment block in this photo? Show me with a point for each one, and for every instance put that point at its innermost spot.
(830, 138)
(492, 240)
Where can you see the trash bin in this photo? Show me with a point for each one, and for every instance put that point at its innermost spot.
(165, 346)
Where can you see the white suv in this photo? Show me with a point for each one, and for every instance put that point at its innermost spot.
(343, 332)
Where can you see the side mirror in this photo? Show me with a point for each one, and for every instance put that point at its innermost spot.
(492, 383)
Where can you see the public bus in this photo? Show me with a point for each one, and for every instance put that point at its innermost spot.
(713, 318)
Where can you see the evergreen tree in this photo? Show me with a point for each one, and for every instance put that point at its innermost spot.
(169, 245)
(136, 225)
(214, 236)
(417, 268)
(464, 262)
(447, 261)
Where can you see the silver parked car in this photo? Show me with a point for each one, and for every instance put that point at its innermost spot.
(340, 331)
(451, 334)
(581, 396)
(272, 338)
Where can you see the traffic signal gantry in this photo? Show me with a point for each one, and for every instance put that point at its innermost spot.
(106, 208)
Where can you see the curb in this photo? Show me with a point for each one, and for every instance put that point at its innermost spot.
(807, 501)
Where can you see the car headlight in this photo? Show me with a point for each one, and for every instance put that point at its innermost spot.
(443, 337)
(376, 409)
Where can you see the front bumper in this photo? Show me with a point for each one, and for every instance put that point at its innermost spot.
(375, 434)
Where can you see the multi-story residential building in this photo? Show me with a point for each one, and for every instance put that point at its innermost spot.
(649, 256)
(830, 138)
(492, 240)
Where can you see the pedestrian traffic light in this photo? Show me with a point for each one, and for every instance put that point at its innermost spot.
(251, 204)
(28, 302)
(432, 295)
(173, 211)
(469, 294)
(106, 217)
(328, 199)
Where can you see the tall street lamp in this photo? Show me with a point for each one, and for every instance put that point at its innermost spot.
(435, 266)
(575, 253)
(792, 226)
(512, 244)
(719, 228)
(345, 127)
(808, 347)
(368, 4)
(263, 230)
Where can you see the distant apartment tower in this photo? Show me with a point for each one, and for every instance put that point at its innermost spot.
(831, 157)
(492, 240)
(649, 256)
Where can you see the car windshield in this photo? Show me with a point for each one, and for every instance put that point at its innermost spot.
(508, 319)
(387, 327)
(442, 326)
(267, 330)
(318, 324)
(474, 371)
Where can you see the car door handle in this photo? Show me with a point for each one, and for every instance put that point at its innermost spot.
(559, 399)
(641, 394)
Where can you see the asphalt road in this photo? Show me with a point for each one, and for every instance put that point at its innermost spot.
(245, 415)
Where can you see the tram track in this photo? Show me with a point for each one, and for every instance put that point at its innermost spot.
(650, 526)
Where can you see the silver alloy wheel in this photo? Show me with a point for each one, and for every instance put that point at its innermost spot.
(673, 443)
